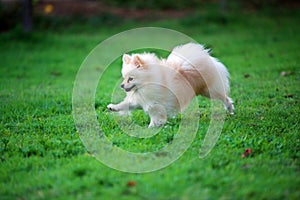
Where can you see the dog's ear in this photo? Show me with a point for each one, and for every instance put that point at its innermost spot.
(126, 58)
(137, 61)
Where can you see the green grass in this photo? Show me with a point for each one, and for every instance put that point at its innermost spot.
(42, 156)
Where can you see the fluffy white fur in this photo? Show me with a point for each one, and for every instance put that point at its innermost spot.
(164, 87)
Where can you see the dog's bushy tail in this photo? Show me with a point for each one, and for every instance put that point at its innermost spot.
(192, 56)
(188, 55)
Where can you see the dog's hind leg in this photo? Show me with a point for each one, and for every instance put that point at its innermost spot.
(228, 104)
(227, 101)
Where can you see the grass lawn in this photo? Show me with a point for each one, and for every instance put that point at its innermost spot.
(42, 156)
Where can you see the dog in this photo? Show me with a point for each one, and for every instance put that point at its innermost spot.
(165, 87)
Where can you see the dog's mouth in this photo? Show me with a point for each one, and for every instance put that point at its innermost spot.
(129, 89)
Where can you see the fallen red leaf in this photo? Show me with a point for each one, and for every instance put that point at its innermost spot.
(131, 183)
(247, 152)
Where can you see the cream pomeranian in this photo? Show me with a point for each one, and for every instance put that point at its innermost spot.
(164, 87)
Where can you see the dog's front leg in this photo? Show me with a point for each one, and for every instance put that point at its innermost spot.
(122, 108)
(158, 115)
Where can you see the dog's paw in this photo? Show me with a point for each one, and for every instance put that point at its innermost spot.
(151, 125)
(154, 125)
(157, 123)
(230, 109)
(112, 107)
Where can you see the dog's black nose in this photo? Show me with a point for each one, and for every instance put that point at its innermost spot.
(122, 86)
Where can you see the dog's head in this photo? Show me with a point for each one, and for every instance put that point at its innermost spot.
(135, 68)
(132, 68)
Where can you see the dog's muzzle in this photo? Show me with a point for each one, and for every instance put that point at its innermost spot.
(127, 89)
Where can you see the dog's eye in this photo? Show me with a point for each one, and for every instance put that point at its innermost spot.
(130, 79)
